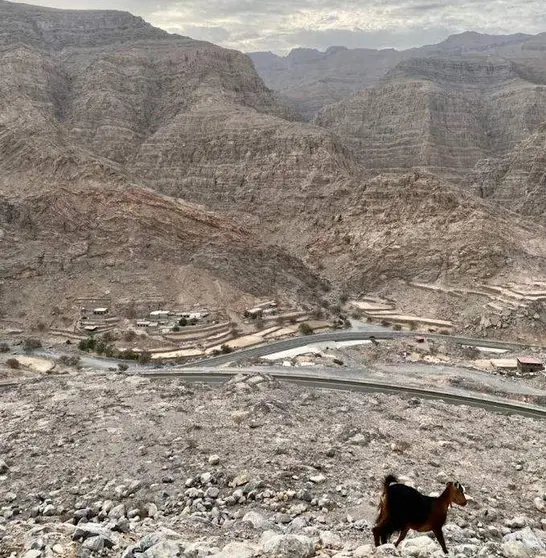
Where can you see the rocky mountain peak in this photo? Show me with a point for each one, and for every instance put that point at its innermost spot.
(57, 29)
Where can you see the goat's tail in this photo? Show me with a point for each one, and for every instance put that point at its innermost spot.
(389, 479)
(382, 506)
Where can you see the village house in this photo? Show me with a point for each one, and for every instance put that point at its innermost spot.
(159, 314)
(529, 364)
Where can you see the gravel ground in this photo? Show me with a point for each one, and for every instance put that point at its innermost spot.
(196, 459)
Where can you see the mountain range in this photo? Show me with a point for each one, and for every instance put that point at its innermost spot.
(135, 163)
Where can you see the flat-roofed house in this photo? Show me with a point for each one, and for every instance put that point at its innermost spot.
(530, 364)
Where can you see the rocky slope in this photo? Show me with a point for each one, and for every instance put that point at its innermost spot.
(438, 114)
(517, 180)
(419, 227)
(132, 243)
(57, 29)
(140, 469)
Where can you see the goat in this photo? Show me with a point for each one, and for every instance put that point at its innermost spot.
(402, 508)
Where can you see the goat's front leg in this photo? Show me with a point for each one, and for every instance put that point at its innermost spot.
(402, 536)
(440, 538)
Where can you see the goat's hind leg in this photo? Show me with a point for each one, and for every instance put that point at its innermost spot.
(377, 535)
(381, 533)
(402, 536)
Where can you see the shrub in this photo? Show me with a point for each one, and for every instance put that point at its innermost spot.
(13, 363)
(226, 349)
(182, 322)
(122, 367)
(31, 344)
(129, 355)
(130, 312)
(4, 348)
(145, 357)
(305, 329)
(412, 326)
(443, 332)
(471, 353)
(40, 326)
(176, 328)
(129, 336)
(385, 323)
(107, 337)
(338, 362)
(70, 360)
(397, 327)
(82, 345)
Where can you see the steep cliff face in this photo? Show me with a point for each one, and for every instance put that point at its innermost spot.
(517, 180)
(440, 115)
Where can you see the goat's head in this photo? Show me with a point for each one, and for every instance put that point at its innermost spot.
(456, 493)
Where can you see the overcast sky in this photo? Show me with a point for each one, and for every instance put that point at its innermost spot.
(280, 25)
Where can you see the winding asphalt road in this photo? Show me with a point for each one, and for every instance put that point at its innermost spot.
(206, 370)
(326, 381)
(278, 346)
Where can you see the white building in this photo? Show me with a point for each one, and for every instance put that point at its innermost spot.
(159, 314)
(194, 315)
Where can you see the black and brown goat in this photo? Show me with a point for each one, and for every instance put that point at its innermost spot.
(402, 508)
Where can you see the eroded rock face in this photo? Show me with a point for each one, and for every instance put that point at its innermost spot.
(517, 180)
(439, 115)
(75, 112)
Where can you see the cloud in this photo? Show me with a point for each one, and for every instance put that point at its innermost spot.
(280, 25)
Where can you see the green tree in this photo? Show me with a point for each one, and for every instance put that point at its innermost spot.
(30, 345)
(305, 329)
